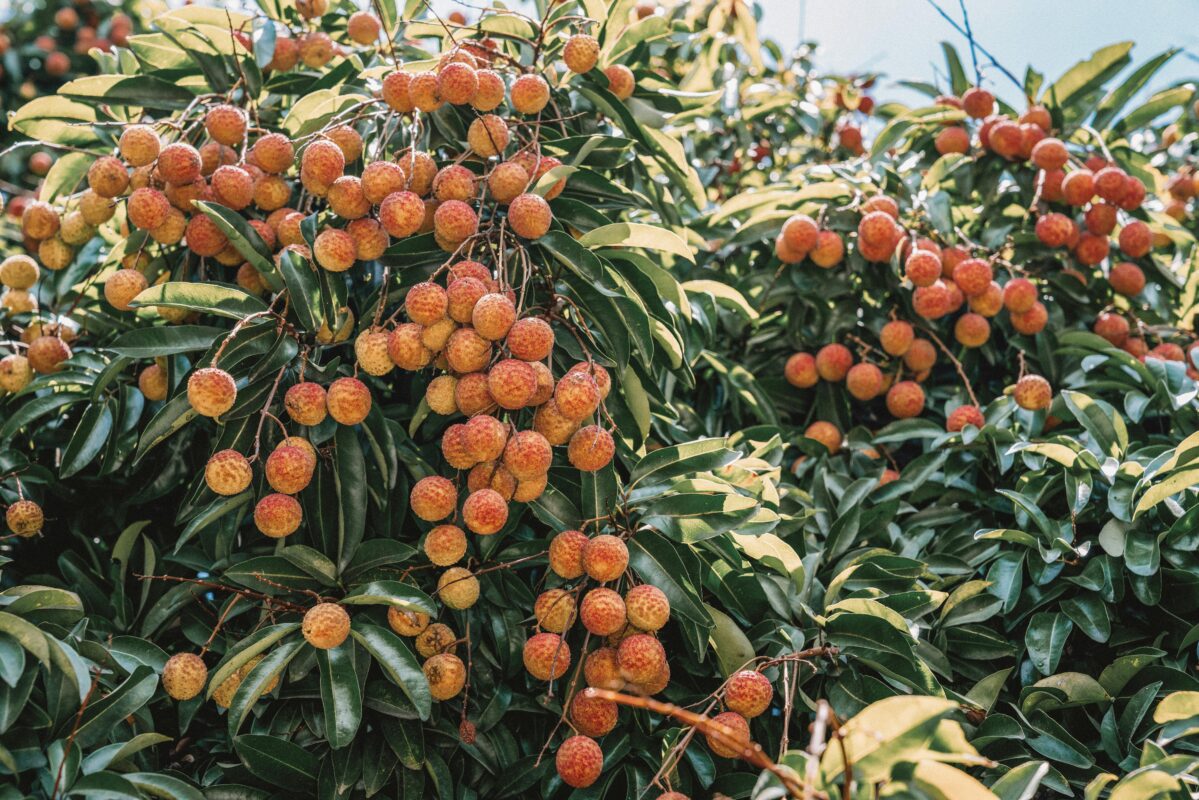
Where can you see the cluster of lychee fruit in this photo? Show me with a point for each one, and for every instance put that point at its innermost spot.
(630, 656)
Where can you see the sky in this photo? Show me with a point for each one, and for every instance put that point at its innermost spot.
(902, 37)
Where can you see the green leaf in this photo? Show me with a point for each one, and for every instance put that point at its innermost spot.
(636, 234)
(277, 761)
(65, 176)
(139, 91)
(103, 715)
(1046, 638)
(656, 560)
(253, 686)
(166, 340)
(398, 662)
(391, 593)
(884, 734)
(341, 695)
(243, 237)
(669, 462)
(349, 477)
(724, 295)
(732, 646)
(210, 298)
(88, 439)
(1086, 75)
(1021, 782)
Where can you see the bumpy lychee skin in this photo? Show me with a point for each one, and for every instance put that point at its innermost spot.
(577, 396)
(471, 395)
(107, 176)
(579, 762)
(204, 237)
(426, 303)
(905, 399)
(228, 472)
(530, 339)
(972, 330)
(1033, 393)
(139, 145)
(1136, 239)
(962, 416)
(1019, 295)
(566, 554)
(485, 437)
(972, 276)
(488, 135)
(273, 153)
(446, 675)
(592, 716)
(864, 381)
(605, 558)
(581, 53)
(18, 272)
(306, 403)
(601, 669)
(922, 268)
(512, 383)
(1112, 327)
(152, 383)
(896, 337)
(226, 124)
(833, 362)
(546, 656)
(371, 350)
(749, 693)
(602, 612)
(529, 94)
(458, 588)
(530, 216)
(590, 449)
(647, 607)
(348, 401)
(454, 182)
(527, 455)
(800, 371)
(485, 512)
(621, 81)
(463, 294)
(24, 518)
(454, 222)
(641, 658)
(1127, 278)
(1030, 322)
(289, 469)
(734, 726)
(445, 545)
(551, 424)
(179, 163)
(147, 208)
(325, 626)
(184, 676)
(211, 391)
(407, 623)
(493, 316)
(278, 515)
(555, 610)
(826, 433)
(122, 286)
(433, 498)
(46, 354)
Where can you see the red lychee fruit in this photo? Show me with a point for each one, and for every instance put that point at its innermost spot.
(647, 607)
(735, 738)
(555, 610)
(433, 498)
(641, 658)
(546, 656)
(211, 391)
(833, 362)
(1112, 327)
(566, 554)
(748, 692)
(905, 399)
(592, 716)
(1033, 393)
(962, 416)
(972, 330)
(826, 433)
(605, 558)
(864, 381)
(579, 762)
(800, 371)
(348, 400)
(591, 448)
(485, 512)
(278, 515)
(1030, 322)
(602, 612)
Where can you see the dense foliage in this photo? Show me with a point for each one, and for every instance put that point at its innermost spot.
(380, 382)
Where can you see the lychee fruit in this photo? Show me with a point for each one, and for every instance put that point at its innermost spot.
(748, 692)
(24, 518)
(905, 399)
(488, 135)
(123, 286)
(436, 638)
(864, 381)
(602, 612)
(972, 330)
(555, 610)
(833, 362)
(1033, 393)
(139, 145)
(485, 512)
(604, 558)
(800, 371)
(962, 416)
(592, 716)
(590, 449)
(529, 339)
(433, 498)
(529, 216)
(579, 762)
(325, 626)
(184, 676)
(458, 588)
(546, 656)
(289, 469)
(446, 675)
(527, 455)
(306, 403)
(566, 554)
(407, 623)
(228, 472)
(621, 81)
(581, 53)
(529, 94)
(278, 515)
(826, 433)
(647, 607)
(641, 658)
(735, 738)
(211, 391)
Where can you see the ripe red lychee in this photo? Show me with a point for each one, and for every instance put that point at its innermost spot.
(179, 163)
(590, 449)
(829, 250)
(735, 739)
(864, 381)
(433, 498)
(306, 403)
(833, 362)
(1136, 239)
(905, 399)
(647, 607)
(491, 90)
(455, 221)
(555, 610)
(989, 303)
(546, 656)
(184, 676)
(932, 302)
(454, 182)
(457, 84)
(748, 692)
(334, 250)
(529, 216)
(472, 396)
(601, 669)
(46, 354)
(446, 675)
(1019, 295)
(1050, 153)
(445, 545)
(1091, 249)
(579, 762)
(1030, 322)
(139, 145)
(922, 268)
(278, 515)
(458, 588)
(641, 658)
(512, 383)
(226, 124)
(800, 371)
(529, 94)
(325, 626)
(107, 176)
(289, 469)
(530, 339)
(211, 391)
(602, 612)
(321, 163)
(1078, 187)
(592, 716)
(978, 102)
(527, 455)
(152, 383)
(621, 81)
(953, 139)
(972, 330)
(1112, 327)
(566, 554)
(896, 337)
(605, 558)
(204, 237)
(577, 396)
(493, 316)
(1127, 278)
(962, 416)
(826, 433)
(1033, 393)
(972, 276)
(348, 400)
(24, 518)
(406, 348)
(485, 512)
(147, 208)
